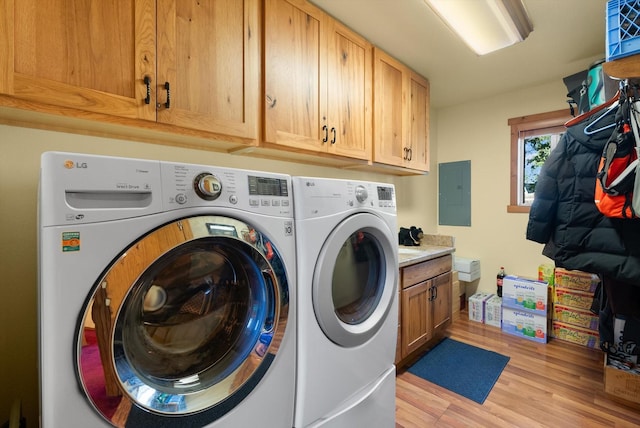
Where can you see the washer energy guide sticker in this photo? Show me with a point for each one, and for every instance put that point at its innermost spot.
(70, 241)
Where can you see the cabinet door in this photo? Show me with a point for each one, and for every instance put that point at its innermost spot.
(208, 53)
(90, 55)
(418, 155)
(389, 110)
(293, 71)
(416, 317)
(441, 301)
(349, 92)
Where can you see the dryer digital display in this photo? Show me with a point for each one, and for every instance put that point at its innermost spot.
(385, 193)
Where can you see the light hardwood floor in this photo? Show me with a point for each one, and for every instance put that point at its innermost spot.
(557, 384)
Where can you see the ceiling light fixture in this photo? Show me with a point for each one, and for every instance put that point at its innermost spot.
(485, 25)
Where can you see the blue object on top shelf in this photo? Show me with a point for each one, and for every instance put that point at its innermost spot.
(623, 28)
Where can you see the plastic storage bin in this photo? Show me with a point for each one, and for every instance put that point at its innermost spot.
(623, 28)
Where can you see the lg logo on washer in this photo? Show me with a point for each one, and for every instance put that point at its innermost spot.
(69, 164)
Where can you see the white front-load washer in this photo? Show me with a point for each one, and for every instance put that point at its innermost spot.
(166, 294)
(347, 303)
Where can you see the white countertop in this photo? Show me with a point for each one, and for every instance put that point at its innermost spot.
(411, 255)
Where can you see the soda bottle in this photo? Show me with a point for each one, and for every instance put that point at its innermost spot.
(500, 277)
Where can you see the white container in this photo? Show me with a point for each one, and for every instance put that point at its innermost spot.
(477, 306)
(463, 264)
(469, 276)
(493, 311)
(468, 269)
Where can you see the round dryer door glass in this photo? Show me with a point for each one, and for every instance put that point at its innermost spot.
(357, 282)
(184, 319)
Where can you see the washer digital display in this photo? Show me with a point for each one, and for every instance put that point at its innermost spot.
(264, 186)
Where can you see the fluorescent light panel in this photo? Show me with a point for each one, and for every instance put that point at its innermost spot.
(485, 25)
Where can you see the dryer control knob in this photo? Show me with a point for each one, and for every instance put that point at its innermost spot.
(207, 186)
(361, 194)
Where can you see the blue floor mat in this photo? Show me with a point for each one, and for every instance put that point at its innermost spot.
(461, 368)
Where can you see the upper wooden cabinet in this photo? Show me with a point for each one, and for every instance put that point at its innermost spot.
(418, 141)
(401, 114)
(317, 82)
(95, 57)
(81, 54)
(276, 78)
(209, 53)
(389, 109)
(349, 92)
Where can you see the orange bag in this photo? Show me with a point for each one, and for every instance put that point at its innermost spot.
(617, 170)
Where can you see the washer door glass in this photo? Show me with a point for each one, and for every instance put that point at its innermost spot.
(184, 318)
(355, 280)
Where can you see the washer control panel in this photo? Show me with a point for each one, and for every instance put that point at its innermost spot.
(207, 186)
(81, 188)
(186, 185)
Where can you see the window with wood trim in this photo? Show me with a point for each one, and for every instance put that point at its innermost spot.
(532, 139)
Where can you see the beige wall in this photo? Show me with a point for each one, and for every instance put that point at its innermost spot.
(479, 132)
(474, 131)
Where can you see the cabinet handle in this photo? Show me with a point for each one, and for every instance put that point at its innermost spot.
(433, 293)
(410, 152)
(333, 140)
(326, 134)
(147, 81)
(168, 103)
(404, 151)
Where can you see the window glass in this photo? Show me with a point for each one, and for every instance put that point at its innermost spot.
(535, 151)
(532, 140)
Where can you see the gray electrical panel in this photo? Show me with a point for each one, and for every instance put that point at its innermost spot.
(454, 193)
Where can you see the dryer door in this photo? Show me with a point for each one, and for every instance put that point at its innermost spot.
(186, 320)
(355, 280)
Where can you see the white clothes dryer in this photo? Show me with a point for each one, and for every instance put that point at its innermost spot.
(347, 302)
(166, 294)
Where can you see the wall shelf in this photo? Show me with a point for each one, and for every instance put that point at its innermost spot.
(623, 68)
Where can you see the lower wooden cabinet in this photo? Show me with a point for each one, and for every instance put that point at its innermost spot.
(416, 316)
(441, 301)
(425, 304)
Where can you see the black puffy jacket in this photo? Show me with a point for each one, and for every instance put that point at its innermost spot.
(564, 217)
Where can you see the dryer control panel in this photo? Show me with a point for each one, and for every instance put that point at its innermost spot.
(323, 196)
